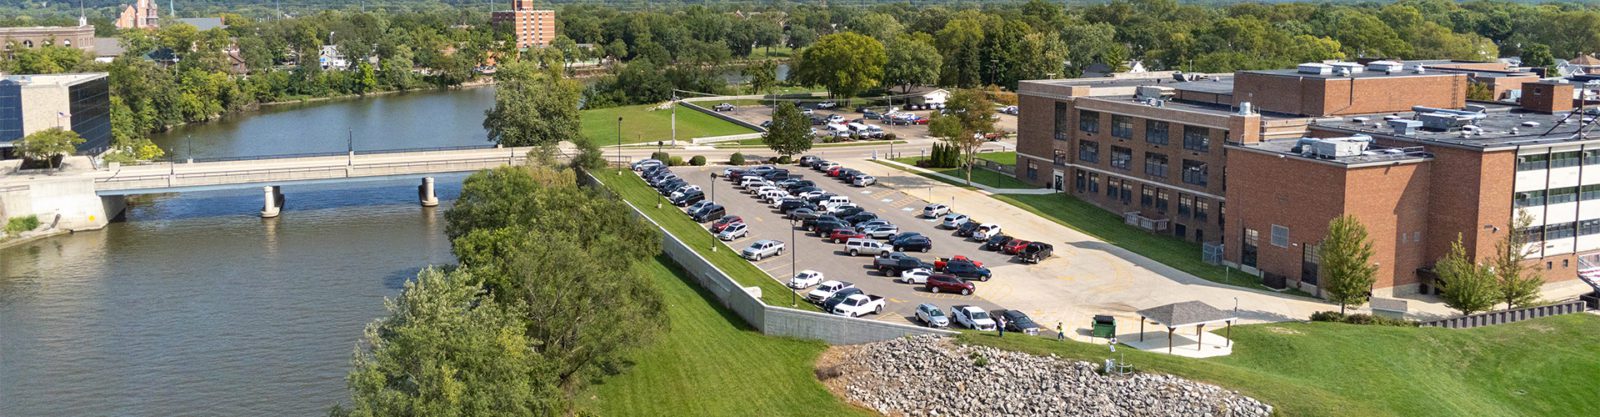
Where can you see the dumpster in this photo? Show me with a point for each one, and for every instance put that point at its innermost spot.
(1104, 327)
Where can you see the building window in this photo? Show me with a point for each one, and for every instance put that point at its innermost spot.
(1112, 185)
(1155, 165)
(1147, 196)
(1121, 126)
(1094, 183)
(1127, 192)
(1558, 231)
(1533, 234)
(1080, 181)
(1529, 199)
(1088, 151)
(1562, 195)
(1033, 171)
(1566, 159)
(1194, 172)
(1200, 209)
(1310, 262)
(1589, 227)
(1185, 204)
(1591, 157)
(1161, 200)
(1589, 192)
(1155, 132)
(1247, 256)
(1062, 122)
(1121, 158)
(1532, 162)
(1222, 213)
(1089, 121)
(1060, 157)
(1280, 236)
(1197, 138)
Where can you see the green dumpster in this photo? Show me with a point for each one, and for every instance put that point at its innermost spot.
(1105, 327)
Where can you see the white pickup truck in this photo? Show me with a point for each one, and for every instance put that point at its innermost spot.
(826, 289)
(972, 317)
(859, 305)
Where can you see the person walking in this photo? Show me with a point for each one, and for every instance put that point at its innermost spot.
(1000, 325)
(1061, 332)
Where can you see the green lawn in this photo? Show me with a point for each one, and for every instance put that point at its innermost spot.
(641, 124)
(1002, 158)
(756, 143)
(712, 364)
(979, 176)
(636, 191)
(1542, 367)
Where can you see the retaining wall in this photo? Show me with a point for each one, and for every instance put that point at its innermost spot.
(719, 115)
(1509, 316)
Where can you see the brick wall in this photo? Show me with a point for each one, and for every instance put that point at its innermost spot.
(1317, 96)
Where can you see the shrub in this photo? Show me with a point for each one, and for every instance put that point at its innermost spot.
(786, 159)
(697, 160)
(22, 224)
(675, 161)
(889, 136)
(1362, 319)
(660, 156)
(736, 159)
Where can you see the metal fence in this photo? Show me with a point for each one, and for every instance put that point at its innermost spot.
(1509, 316)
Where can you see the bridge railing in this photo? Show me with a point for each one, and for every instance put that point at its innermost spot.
(243, 176)
(359, 152)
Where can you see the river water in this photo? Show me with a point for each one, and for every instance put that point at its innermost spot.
(195, 306)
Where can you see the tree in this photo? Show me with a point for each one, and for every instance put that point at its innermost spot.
(763, 76)
(1468, 287)
(845, 63)
(912, 61)
(1538, 56)
(969, 115)
(790, 133)
(45, 145)
(961, 43)
(1517, 281)
(446, 351)
(1346, 267)
(532, 106)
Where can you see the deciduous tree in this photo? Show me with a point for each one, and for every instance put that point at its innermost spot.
(1468, 287)
(912, 61)
(968, 116)
(790, 133)
(844, 63)
(1346, 265)
(1517, 281)
(532, 106)
(45, 145)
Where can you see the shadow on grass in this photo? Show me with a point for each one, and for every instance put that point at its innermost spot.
(710, 299)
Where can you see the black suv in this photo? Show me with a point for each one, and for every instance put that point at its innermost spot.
(812, 223)
(967, 269)
(914, 243)
(849, 211)
(859, 218)
(895, 265)
(689, 198)
(967, 228)
(996, 242)
(788, 205)
(713, 212)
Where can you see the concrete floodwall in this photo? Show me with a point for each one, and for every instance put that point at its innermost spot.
(719, 115)
(772, 320)
(1509, 316)
(726, 138)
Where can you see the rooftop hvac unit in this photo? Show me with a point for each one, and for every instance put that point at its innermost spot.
(1348, 68)
(1444, 121)
(1404, 127)
(1331, 148)
(1245, 108)
(1153, 92)
(1316, 68)
(1384, 66)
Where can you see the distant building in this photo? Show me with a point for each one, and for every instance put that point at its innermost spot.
(139, 15)
(533, 27)
(77, 102)
(107, 49)
(81, 37)
(330, 58)
(204, 23)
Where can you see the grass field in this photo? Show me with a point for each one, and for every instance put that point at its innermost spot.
(712, 364)
(1544, 367)
(636, 191)
(640, 124)
(756, 143)
(979, 176)
(1002, 158)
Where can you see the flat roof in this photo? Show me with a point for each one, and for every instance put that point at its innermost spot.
(1294, 72)
(30, 80)
(1501, 126)
(1181, 105)
(1215, 86)
(1374, 155)
(1162, 80)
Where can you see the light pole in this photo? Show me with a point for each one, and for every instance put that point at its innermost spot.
(713, 201)
(794, 300)
(658, 195)
(189, 143)
(619, 145)
(674, 119)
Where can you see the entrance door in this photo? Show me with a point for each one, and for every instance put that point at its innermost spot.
(1060, 178)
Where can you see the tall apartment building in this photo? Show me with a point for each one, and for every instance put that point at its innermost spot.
(142, 14)
(16, 38)
(1257, 163)
(534, 27)
(77, 102)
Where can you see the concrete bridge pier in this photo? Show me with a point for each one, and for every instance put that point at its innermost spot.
(272, 201)
(425, 193)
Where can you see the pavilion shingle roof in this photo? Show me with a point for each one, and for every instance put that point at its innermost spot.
(1185, 314)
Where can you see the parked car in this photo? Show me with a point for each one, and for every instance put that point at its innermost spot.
(766, 124)
(871, 115)
(681, 190)
(692, 197)
(839, 297)
(847, 211)
(836, 119)
(864, 180)
(807, 111)
(696, 206)
(762, 249)
(825, 228)
(736, 231)
(914, 243)
(871, 223)
(1035, 252)
(712, 212)
(859, 218)
(724, 222)
(967, 270)
(841, 235)
(894, 266)
(724, 107)
(863, 246)
(805, 279)
(1015, 246)
(996, 242)
(807, 160)
(1017, 321)
(985, 231)
(953, 220)
(967, 229)
(859, 305)
(641, 164)
(972, 317)
(902, 236)
(880, 231)
(825, 166)
(930, 315)
(811, 224)
(827, 104)
(916, 276)
(826, 289)
(940, 263)
(948, 283)
(1011, 110)
(797, 184)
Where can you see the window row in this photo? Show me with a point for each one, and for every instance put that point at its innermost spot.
(1566, 159)
(1556, 196)
(1156, 132)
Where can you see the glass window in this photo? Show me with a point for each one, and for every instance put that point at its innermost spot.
(1280, 236)
(1558, 231)
(1533, 234)
(1127, 192)
(1161, 200)
(1089, 121)
(1565, 159)
(1196, 138)
(1121, 126)
(1589, 227)
(1033, 171)
(1185, 204)
(1112, 185)
(1591, 157)
(1094, 182)
(1060, 157)
(1201, 207)
(1589, 192)
(1194, 172)
(1155, 165)
(1155, 132)
(1529, 199)
(1247, 256)
(1147, 196)
(1532, 162)
(1088, 151)
(1121, 158)
(1562, 195)
(1080, 181)
(1063, 123)
(1222, 213)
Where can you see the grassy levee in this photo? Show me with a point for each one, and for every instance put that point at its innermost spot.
(640, 124)
(712, 364)
(979, 176)
(1543, 367)
(633, 189)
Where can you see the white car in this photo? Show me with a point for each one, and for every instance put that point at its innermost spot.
(805, 279)
(933, 211)
(773, 197)
(985, 232)
(859, 305)
(762, 249)
(732, 232)
(864, 180)
(838, 207)
(917, 276)
(826, 289)
(811, 194)
(683, 190)
(764, 188)
(825, 166)
(931, 315)
(954, 220)
(836, 119)
(972, 317)
(642, 164)
(752, 182)
(880, 231)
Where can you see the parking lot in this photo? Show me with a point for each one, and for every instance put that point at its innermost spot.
(808, 251)
(759, 114)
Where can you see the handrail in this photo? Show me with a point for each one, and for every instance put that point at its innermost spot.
(201, 176)
(363, 152)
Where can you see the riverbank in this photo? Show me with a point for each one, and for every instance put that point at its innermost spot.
(30, 236)
(482, 82)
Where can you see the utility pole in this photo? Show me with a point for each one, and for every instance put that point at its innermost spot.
(674, 118)
(619, 145)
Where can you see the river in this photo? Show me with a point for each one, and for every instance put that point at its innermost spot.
(197, 306)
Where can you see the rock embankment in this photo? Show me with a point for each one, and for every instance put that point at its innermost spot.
(930, 376)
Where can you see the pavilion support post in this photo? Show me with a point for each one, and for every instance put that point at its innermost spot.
(1141, 328)
(1200, 337)
(1169, 340)
(1230, 333)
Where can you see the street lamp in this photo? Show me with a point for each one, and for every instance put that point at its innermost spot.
(713, 201)
(658, 195)
(794, 300)
(619, 145)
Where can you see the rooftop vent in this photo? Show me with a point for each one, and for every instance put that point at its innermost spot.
(1245, 108)
(1347, 68)
(1385, 66)
(1153, 92)
(1316, 68)
(1404, 126)
(1530, 124)
(1331, 148)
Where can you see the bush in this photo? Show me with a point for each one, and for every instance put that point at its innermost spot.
(889, 136)
(697, 160)
(660, 156)
(1362, 319)
(675, 161)
(786, 159)
(736, 159)
(22, 224)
